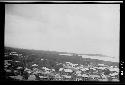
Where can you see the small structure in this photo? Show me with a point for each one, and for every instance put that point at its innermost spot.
(19, 77)
(78, 72)
(61, 69)
(66, 76)
(28, 70)
(34, 65)
(94, 76)
(85, 75)
(53, 69)
(78, 79)
(32, 77)
(114, 69)
(46, 69)
(17, 61)
(57, 76)
(83, 69)
(115, 80)
(42, 59)
(19, 67)
(114, 74)
(104, 77)
(7, 70)
(7, 62)
(101, 64)
(68, 70)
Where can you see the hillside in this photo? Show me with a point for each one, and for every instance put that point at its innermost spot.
(26, 58)
(54, 55)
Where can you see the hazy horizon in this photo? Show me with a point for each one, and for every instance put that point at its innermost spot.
(77, 28)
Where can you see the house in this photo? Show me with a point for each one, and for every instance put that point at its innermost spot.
(116, 80)
(101, 68)
(94, 77)
(101, 64)
(114, 69)
(83, 69)
(85, 75)
(17, 61)
(68, 70)
(7, 70)
(114, 74)
(61, 69)
(34, 65)
(78, 79)
(28, 70)
(46, 69)
(78, 72)
(19, 77)
(19, 67)
(42, 59)
(66, 76)
(104, 77)
(57, 76)
(32, 77)
(43, 76)
(7, 62)
(53, 69)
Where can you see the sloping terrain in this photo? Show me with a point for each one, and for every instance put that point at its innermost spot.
(54, 56)
(16, 58)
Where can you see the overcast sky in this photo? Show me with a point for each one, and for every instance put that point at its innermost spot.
(79, 28)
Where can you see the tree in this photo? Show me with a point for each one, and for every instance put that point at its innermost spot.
(106, 71)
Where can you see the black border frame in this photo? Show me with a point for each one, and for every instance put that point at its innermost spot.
(2, 25)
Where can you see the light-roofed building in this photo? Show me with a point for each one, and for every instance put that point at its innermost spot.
(32, 77)
(114, 69)
(19, 67)
(42, 59)
(85, 75)
(34, 65)
(68, 70)
(114, 74)
(61, 69)
(46, 69)
(66, 76)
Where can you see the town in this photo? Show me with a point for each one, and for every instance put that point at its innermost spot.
(19, 67)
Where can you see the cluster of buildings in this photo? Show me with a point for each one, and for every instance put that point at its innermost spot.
(69, 72)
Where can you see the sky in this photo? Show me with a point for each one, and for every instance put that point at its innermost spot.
(78, 28)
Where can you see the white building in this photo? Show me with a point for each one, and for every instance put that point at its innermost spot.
(66, 76)
(32, 77)
(19, 67)
(17, 77)
(42, 59)
(53, 69)
(114, 69)
(46, 69)
(34, 65)
(68, 70)
(94, 76)
(85, 75)
(114, 74)
(17, 61)
(28, 70)
(61, 69)
(78, 72)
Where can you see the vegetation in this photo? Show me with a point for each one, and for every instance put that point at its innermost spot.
(37, 61)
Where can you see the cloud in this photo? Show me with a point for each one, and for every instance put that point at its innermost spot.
(73, 28)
